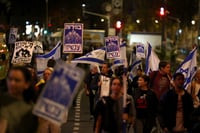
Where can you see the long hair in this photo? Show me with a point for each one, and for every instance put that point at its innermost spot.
(28, 94)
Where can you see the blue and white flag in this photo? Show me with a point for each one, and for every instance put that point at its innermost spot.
(57, 95)
(136, 64)
(95, 57)
(73, 38)
(112, 44)
(152, 60)
(189, 66)
(123, 59)
(41, 60)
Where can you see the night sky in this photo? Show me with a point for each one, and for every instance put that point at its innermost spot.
(35, 10)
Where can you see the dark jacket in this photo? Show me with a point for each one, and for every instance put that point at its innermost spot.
(168, 109)
(92, 81)
(150, 112)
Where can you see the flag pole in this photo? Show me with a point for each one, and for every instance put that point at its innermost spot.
(71, 55)
(124, 95)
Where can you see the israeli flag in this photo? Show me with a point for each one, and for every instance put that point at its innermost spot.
(95, 57)
(136, 64)
(123, 59)
(189, 66)
(152, 60)
(41, 60)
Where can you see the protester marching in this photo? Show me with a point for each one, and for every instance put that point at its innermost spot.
(143, 96)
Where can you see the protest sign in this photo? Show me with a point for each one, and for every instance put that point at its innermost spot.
(73, 38)
(13, 35)
(112, 47)
(23, 52)
(58, 93)
(38, 47)
(140, 53)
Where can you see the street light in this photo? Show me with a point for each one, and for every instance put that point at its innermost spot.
(193, 22)
(156, 21)
(137, 21)
(102, 20)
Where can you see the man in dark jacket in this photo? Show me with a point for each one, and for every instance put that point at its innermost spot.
(176, 108)
(91, 86)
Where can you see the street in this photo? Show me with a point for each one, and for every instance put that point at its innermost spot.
(79, 116)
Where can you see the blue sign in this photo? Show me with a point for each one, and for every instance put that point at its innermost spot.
(73, 38)
(140, 53)
(112, 47)
(58, 93)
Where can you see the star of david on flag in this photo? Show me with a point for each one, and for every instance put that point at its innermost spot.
(189, 66)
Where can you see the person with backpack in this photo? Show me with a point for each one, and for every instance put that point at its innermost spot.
(109, 112)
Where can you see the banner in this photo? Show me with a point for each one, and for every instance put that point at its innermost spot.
(95, 57)
(140, 54)
(112, 44)
(38, 47)
(41, 60)
(23, 52)
(73, 38)
(13, 35)
(58, 93)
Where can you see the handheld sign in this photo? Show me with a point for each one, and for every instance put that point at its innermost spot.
(140, 51)
(112, 47)
(73, 38)
(58, 93)
(38, 47)
(23, 52)
(13, 35)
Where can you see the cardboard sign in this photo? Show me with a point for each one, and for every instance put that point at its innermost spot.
(13, 35)
(38, 47)
(58, 93)
(73, 38)
(23, 52)
(140, 53)
(112, 47)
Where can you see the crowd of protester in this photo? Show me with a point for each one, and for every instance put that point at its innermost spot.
(152, 104)
(157, 103)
